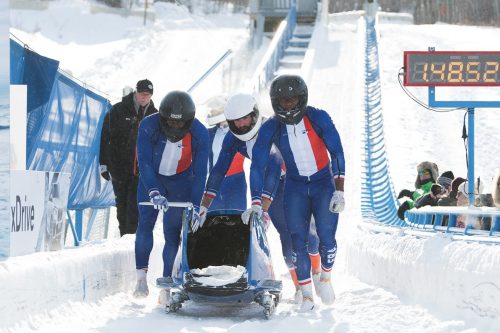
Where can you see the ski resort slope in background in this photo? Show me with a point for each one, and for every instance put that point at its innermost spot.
(172, 52)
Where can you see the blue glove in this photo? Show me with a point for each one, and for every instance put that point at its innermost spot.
(158, 201)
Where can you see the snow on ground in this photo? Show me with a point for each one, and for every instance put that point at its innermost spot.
(373, 277)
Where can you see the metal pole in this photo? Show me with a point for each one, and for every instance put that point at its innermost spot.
(145, 10)
(470, 156)
(79, 224)
(224, 56)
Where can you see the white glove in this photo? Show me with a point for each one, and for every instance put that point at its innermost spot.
(245, 216)
(158, 201)
(199, 218)
(195, 221)
(103, 170)
(337, 202)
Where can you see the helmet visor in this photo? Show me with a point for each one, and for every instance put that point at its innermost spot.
(175, 130)
(244, 124)
(288, 103)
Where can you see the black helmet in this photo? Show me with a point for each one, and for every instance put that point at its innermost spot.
(286, 86)
(177, 106)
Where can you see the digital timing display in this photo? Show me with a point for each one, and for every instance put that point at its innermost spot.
(461, 68)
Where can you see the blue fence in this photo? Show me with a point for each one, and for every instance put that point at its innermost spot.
(445, 219)
(378, 199)
(64, 127)
(63, 130)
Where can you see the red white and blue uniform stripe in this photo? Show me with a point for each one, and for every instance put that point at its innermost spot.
(178, 170)
(314, 157)
(231, 146)
(232, 192)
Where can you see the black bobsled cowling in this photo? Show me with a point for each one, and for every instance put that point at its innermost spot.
(224, 240)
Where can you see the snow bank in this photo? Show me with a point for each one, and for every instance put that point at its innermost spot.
(39, 282)
(456, 279)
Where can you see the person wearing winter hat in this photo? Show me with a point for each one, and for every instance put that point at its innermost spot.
(446, 179)
(454, 187)
(463, 201)
(439, 191)
(427, 174)
(463, 194)
(118, 157)
(144, 86)
(495, 192)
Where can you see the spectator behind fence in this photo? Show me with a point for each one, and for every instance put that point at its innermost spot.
(495, 193)
(427, 174)
(451, 199)
(463, 201)
(118, 157)
(439, 191)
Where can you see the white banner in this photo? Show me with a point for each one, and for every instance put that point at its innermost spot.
(38, 202)
(18, 126)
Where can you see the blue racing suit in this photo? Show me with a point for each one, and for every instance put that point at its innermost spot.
(177, 170)
(306, 149)
(272, 187)
(232, 193)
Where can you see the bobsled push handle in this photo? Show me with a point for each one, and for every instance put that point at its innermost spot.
(170, 204)
(255, 218)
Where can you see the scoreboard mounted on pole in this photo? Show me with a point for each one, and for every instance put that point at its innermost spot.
(452, 68)
(433, 69)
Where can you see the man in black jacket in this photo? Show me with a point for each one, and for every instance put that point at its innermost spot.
(118, 154)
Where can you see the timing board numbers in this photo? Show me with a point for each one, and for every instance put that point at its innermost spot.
(452, 68)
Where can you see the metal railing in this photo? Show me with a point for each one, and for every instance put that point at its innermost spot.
(445, 219)
(269, 64)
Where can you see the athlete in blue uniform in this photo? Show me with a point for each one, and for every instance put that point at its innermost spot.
(314, 158)
(242, 115)
(232, 193)
(172, 149)
(244, 121)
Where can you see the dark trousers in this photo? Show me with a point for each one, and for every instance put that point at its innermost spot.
(126, 203)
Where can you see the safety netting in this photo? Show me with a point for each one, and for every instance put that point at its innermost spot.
(63, 127)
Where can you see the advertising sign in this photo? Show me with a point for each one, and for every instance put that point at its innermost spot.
(38, 202)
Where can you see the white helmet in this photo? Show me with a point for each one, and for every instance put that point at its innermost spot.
(215, 106)
(239, 106)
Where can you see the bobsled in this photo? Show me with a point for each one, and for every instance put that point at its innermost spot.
(223, 243)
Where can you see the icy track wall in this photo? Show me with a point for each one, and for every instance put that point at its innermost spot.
(42, 281)
(449, 276)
